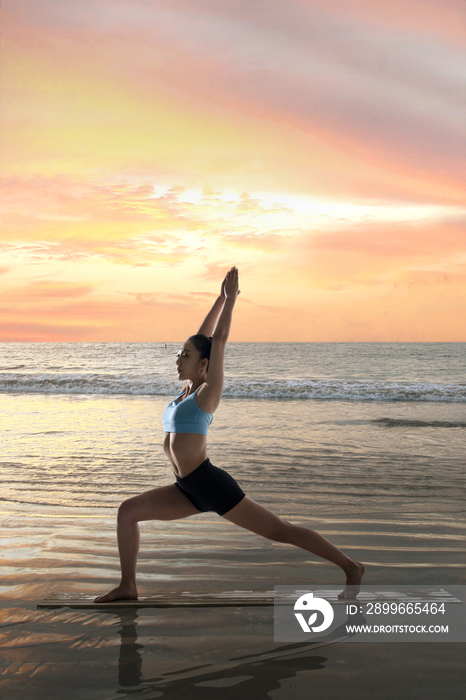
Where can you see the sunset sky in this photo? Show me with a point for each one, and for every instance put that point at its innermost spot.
(148, 145)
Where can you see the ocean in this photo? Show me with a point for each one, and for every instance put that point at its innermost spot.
(364, 442)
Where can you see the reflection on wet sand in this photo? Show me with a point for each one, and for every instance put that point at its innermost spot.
(129, 660)
(255, 670)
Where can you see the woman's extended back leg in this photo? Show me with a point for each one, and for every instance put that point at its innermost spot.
(163, 503)
(256, 518)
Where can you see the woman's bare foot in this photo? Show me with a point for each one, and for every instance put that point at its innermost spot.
(353, 581)
(119, 593)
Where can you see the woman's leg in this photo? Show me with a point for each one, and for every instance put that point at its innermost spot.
(256, 518)
(164, 503)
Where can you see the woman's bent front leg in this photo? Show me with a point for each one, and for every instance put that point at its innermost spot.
(164, 503)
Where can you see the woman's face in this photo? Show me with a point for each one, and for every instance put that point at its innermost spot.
(188, 361)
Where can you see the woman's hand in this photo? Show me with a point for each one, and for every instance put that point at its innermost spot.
(222, 290)
(222, 329)
(228, 290)
(230, 284)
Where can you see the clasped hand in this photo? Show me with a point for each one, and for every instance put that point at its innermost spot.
(230, 284)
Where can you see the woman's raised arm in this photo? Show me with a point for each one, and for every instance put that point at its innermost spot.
(208, 325)
(231, 291)
(210, 393)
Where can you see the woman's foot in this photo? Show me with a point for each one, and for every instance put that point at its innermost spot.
(119, 593)
(353, 580)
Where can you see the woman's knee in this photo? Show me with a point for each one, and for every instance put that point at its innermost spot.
(282, 532)
(127, 512)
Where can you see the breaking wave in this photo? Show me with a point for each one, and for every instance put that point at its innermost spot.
(278, 389)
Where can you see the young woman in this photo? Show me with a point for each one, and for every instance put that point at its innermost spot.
(200, 486)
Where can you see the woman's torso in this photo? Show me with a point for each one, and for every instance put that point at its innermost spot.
(186, 450)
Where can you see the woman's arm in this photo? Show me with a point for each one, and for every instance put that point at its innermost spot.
(208, 325)
(231, 291)
(210, 393)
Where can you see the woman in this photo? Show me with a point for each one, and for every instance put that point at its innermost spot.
(199, 485)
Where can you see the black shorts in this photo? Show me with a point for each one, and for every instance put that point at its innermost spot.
(211, 488)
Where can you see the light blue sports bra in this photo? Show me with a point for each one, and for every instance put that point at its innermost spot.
(186, 417)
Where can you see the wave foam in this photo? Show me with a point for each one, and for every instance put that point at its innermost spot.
(280, 389)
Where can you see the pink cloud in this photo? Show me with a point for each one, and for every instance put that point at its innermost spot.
(29, 331)
(397, 239)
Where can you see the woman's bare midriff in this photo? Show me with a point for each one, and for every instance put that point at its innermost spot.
(186, 451)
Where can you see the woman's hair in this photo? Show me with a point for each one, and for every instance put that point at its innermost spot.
(203, 345)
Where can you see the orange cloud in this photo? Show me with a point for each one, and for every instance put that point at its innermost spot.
(397, 239)
(46, 291)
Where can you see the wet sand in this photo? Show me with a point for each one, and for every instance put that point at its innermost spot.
(200, 653)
